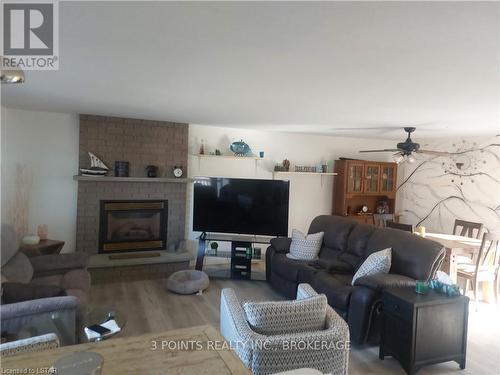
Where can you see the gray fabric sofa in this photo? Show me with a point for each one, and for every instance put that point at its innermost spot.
(63, 313)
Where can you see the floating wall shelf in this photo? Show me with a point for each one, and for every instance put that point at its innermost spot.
(308, 173)
(277, 174)
(228, 157)
(256, 159)
(131, 179)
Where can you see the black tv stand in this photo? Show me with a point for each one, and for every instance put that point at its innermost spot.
(241, 255)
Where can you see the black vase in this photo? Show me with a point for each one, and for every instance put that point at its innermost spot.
(121, 168)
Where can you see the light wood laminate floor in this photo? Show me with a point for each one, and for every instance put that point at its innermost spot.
(150, 308)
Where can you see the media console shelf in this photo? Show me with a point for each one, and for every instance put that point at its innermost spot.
(240, 255)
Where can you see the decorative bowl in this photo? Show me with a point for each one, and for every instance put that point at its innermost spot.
(240, 148)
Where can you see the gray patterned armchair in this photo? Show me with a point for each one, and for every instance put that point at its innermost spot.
(326, 349)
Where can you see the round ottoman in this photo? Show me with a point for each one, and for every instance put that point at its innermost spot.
(188, 282)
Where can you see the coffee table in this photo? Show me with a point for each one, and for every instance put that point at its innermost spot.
(145, 354)
(98, 314)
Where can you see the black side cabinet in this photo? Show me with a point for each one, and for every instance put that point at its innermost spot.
(420, 330)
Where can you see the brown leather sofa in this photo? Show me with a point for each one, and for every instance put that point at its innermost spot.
(346, 244)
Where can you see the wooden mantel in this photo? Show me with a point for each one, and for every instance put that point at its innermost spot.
(130, 179)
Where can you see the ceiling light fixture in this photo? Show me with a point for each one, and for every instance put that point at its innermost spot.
(398, 158)
(403, 157)
(12, 76)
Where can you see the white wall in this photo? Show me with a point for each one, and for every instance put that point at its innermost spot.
(309, 195)
(45, 146)
(438, 192)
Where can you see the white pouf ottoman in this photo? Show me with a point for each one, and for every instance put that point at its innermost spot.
(188, 282)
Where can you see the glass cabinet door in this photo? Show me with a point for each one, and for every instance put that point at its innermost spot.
(372, 172)
(355, 178)
(388, 179)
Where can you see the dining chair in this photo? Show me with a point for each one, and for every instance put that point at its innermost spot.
(394, 225)
(380, 220)
(467, 228)
(486, 267)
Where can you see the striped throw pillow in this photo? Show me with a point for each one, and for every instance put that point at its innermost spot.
(305, 247)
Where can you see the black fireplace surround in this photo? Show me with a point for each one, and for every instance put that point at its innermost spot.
(133, 225)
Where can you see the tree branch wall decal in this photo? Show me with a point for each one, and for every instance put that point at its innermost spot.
(464, 184)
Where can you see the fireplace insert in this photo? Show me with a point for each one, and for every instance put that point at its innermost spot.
(133, 225)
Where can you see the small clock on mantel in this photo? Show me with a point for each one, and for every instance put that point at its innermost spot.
(178, 172)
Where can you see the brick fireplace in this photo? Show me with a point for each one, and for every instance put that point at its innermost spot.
(141, 143)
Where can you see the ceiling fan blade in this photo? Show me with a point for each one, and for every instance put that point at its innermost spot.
(430, 152)
(385, 150)
(366, 128)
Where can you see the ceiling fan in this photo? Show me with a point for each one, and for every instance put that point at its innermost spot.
(406, 149)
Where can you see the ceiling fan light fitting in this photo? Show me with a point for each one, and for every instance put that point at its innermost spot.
(398, 158)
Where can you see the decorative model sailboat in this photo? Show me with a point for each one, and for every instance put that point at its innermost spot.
(97, 167)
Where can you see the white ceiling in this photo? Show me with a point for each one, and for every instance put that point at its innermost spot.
(294, 66)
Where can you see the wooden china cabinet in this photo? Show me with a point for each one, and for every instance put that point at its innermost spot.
(363, 183)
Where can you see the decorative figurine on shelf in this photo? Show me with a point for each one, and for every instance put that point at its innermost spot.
(286, 165)
(177, 171)
(217, 152)
(202, 148)
(382, 207)
(240, 148)
(97, 167)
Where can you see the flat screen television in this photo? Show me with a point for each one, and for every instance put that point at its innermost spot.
(241, 206)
